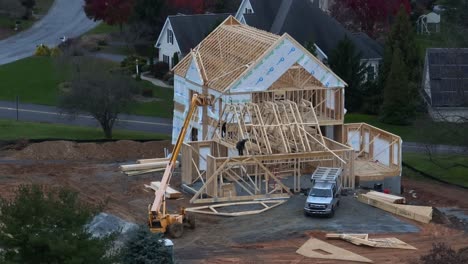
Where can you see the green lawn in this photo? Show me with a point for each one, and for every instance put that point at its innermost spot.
(103, 28)
(161, 108)
(422, 130)
(32, 79)
(36, 80)
(12, 130)
(41, 8)
(445, 167)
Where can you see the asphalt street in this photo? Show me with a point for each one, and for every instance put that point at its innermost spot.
(50, 114)
(65, 18)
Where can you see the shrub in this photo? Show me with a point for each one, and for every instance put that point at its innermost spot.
(130, 62)
(168, 76)
(145, 68)
(42, 50)
(102, 42)
(54, 52)
(160, 69)
(442, 254)
(147, 92)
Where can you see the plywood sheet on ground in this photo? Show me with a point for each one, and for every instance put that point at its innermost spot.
(315, 248)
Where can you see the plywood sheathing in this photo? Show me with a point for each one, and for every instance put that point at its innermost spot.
(315, 248)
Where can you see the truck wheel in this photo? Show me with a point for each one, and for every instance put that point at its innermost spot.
(332, 213)
(175, 230)
(306, 214)
(189, 220)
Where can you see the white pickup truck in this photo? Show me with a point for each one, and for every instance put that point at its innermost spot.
(324, 196)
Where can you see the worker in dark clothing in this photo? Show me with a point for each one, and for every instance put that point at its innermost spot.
(223, 130)
(241, 146)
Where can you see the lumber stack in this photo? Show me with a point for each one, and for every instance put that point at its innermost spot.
(363, 239)
(387, 197)
(418, 213)
(145, 166)
(170, 192)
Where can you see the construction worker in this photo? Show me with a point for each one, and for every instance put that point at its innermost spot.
(241, 146)
(223, 130)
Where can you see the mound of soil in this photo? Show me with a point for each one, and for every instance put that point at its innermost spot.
(116, 151)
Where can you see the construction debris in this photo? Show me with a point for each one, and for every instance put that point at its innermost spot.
(418, 213)
(170, 193)
(387, 197)
(315, 248)
(363, 239)
(212, 211)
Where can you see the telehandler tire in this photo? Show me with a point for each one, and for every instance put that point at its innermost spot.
(190, 221)
(175, 230)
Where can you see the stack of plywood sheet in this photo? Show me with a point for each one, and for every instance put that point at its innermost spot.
(418, 213)
(170, 193)
(387, 197)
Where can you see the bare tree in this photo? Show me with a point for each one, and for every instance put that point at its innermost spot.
(96, 91)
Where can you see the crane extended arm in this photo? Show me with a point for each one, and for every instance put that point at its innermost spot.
(197, 100)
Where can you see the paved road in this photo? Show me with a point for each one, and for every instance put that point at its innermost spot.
(50, 114)
(436, 149)
(65, 18)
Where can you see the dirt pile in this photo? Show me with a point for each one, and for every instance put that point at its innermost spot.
(116, 151)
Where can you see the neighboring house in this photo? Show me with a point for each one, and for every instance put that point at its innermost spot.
(445, 82)
(181, 33)
(304, 20)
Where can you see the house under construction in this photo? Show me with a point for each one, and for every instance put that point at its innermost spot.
(289, 106)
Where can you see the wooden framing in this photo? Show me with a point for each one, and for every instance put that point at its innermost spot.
(256, 176)
(267, 205)
(369, 166)
(363, 239)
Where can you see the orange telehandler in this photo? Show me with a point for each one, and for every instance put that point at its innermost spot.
(160, 221)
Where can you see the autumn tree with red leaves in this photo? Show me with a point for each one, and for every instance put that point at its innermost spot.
(110, 11)
(370, 16)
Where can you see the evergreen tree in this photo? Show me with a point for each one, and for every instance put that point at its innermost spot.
(175, 59)
(396, 109)
(144, 247)
(310, 46)
(345, 61)
(401, 38)
(48, 226)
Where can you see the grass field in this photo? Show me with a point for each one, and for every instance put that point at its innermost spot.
(12, 130)
(32, 79)
(103, 28)
(422, 130)
(35, 80)
(450, 168)
(7, 23)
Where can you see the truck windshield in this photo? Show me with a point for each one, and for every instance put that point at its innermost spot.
(320, 193)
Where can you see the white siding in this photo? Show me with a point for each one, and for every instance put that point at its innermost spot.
(166, 48)
(241, 11)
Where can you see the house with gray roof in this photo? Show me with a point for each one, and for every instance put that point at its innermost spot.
(306, 21)
(445, 84)
(181, 33)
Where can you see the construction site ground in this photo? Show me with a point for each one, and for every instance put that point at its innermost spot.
(270, 237)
